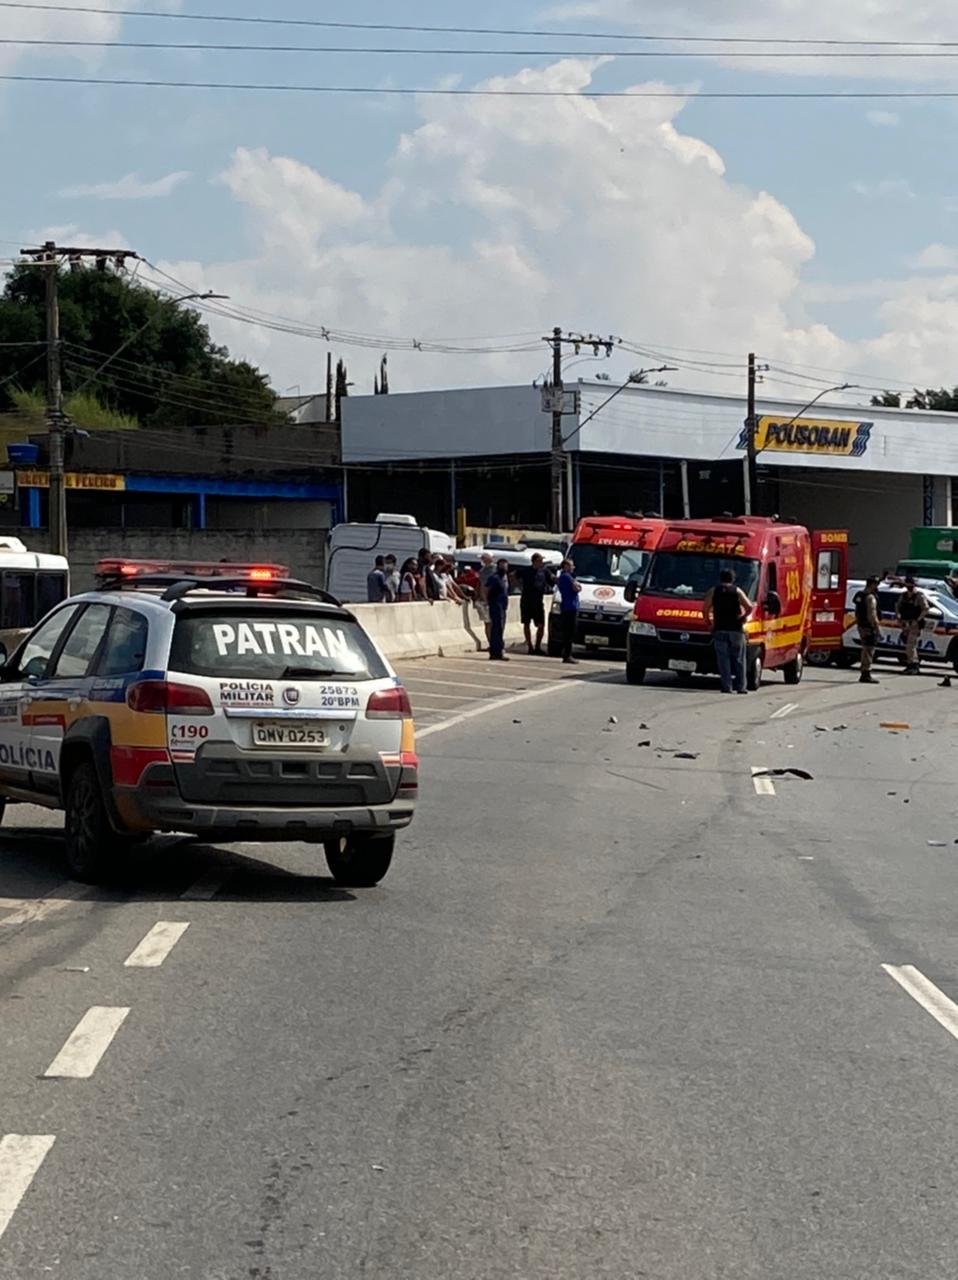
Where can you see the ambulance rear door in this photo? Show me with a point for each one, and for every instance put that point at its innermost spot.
(829, 584)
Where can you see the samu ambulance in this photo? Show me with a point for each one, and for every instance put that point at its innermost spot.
(796, 578)
(608, 552)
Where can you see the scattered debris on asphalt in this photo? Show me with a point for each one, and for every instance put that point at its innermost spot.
(646, 743)
(643, 726)
(686, 755)
(76, 968)
(783, 773)
(937, 844)
(892, 724)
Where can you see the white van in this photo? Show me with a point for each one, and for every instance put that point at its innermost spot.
(31, 584)
(353, 549)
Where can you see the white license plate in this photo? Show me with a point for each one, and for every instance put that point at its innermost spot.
(679, 664)
(597, 640)
(270, 734)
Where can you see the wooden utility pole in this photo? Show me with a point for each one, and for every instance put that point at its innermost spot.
(49, 258)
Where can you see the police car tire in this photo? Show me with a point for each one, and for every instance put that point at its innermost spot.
(359, 862)
(91, 842)
(635, 673)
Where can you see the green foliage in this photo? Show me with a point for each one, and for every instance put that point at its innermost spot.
(170, 374)
(84, 410)
(940, 401)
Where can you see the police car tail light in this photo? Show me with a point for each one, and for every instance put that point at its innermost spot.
(167, 698)
(389, 704)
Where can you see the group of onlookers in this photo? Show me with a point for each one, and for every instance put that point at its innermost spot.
(431, 577)
(426, 577)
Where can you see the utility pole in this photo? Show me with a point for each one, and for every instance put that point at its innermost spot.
(49, 258)
(555, 468)
(750, 470)
(561, 510)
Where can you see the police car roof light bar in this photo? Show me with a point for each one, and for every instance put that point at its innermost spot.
(177, 586)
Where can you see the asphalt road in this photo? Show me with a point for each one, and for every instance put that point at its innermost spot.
(615, 1012)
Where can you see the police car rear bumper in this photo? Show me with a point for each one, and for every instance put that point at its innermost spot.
(163, 809)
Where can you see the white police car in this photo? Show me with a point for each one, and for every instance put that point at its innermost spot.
(939, 637)
(234, 708)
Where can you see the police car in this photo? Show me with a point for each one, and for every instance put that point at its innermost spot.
(939, 637)
(244, 707)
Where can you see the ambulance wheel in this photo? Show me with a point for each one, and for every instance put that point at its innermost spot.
(754, 670)
(91, 843)
(635, 673)
(359, 862)
(794, 670)
(3, 806)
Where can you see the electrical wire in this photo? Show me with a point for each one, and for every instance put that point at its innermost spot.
(455, 30)
(391, 50)
(850, 95)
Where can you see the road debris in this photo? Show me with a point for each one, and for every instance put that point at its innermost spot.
(76, 968)
(892, 724)
(646, 743)
(937, 844)
(686, 755)
(803, 774)
(613, 719)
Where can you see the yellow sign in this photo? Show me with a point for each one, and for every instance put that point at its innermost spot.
(834, 538)
(74, 480)
(822, 436)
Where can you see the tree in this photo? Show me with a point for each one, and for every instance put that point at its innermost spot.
(940, 401)
(171, 373)
(342, 387)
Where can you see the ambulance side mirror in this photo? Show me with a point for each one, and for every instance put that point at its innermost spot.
(632, 589)
(773, 604)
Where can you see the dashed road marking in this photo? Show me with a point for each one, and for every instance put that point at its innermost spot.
(31, 911)
(206, 888)
(782, 712)
(924, 992)
(21, 1156)
(763, 786)
(156, 946)
(87, 1043)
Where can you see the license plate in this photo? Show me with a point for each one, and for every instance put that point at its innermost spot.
(679, 664)
(597, 640)
(271, 734)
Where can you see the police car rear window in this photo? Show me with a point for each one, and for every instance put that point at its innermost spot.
(265, 645)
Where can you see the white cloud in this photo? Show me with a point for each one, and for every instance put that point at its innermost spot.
(885, 189)
(883, 119)
(601, 215)
(897, 20)
(935, 257)
(62, 24)
(129, 187)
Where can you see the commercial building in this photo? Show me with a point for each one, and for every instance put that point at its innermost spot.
(876, 471)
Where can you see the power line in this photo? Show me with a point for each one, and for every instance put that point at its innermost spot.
(453, 30)
(853, 95)
(949, 51)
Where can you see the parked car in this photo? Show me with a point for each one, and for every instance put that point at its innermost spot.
(939, 639)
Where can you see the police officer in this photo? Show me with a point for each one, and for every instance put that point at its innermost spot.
(868, 617)
(912, 610)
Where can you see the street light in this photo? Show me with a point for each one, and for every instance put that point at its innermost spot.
(846, 386)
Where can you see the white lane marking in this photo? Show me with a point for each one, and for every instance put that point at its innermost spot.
(32, 910)
(449, 684)
(782, 712)
(502, 671)
(428, 696)
(21, 1156)
(924, 992)
(156, 946)
(763, 786)
(87, 1043)
(206, 888)
(496, 704)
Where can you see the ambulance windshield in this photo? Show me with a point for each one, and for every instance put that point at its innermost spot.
(610, 566)
(265, 644)
(690, 574)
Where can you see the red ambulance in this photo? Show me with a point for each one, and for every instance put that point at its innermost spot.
(609, 553)
(796, 577)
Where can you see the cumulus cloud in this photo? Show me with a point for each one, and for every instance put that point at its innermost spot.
(935, 257)
(129, 187)
(602, 215)
(63, 24)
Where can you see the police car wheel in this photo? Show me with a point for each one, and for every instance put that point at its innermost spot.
(90, 841)
(359, 862)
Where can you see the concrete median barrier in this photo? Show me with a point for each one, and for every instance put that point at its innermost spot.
(422, 630)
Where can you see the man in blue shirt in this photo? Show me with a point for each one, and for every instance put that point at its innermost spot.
(497, 598)
(568, 608)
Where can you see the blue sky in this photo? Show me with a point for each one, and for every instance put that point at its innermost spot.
(859, 190)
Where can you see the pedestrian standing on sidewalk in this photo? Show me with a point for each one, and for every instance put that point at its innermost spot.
(912, 610)
(497, 597)
(482, 603)
(726, 608)
(568, 609)
(392, 579)
(536, 582)
(868, 617)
